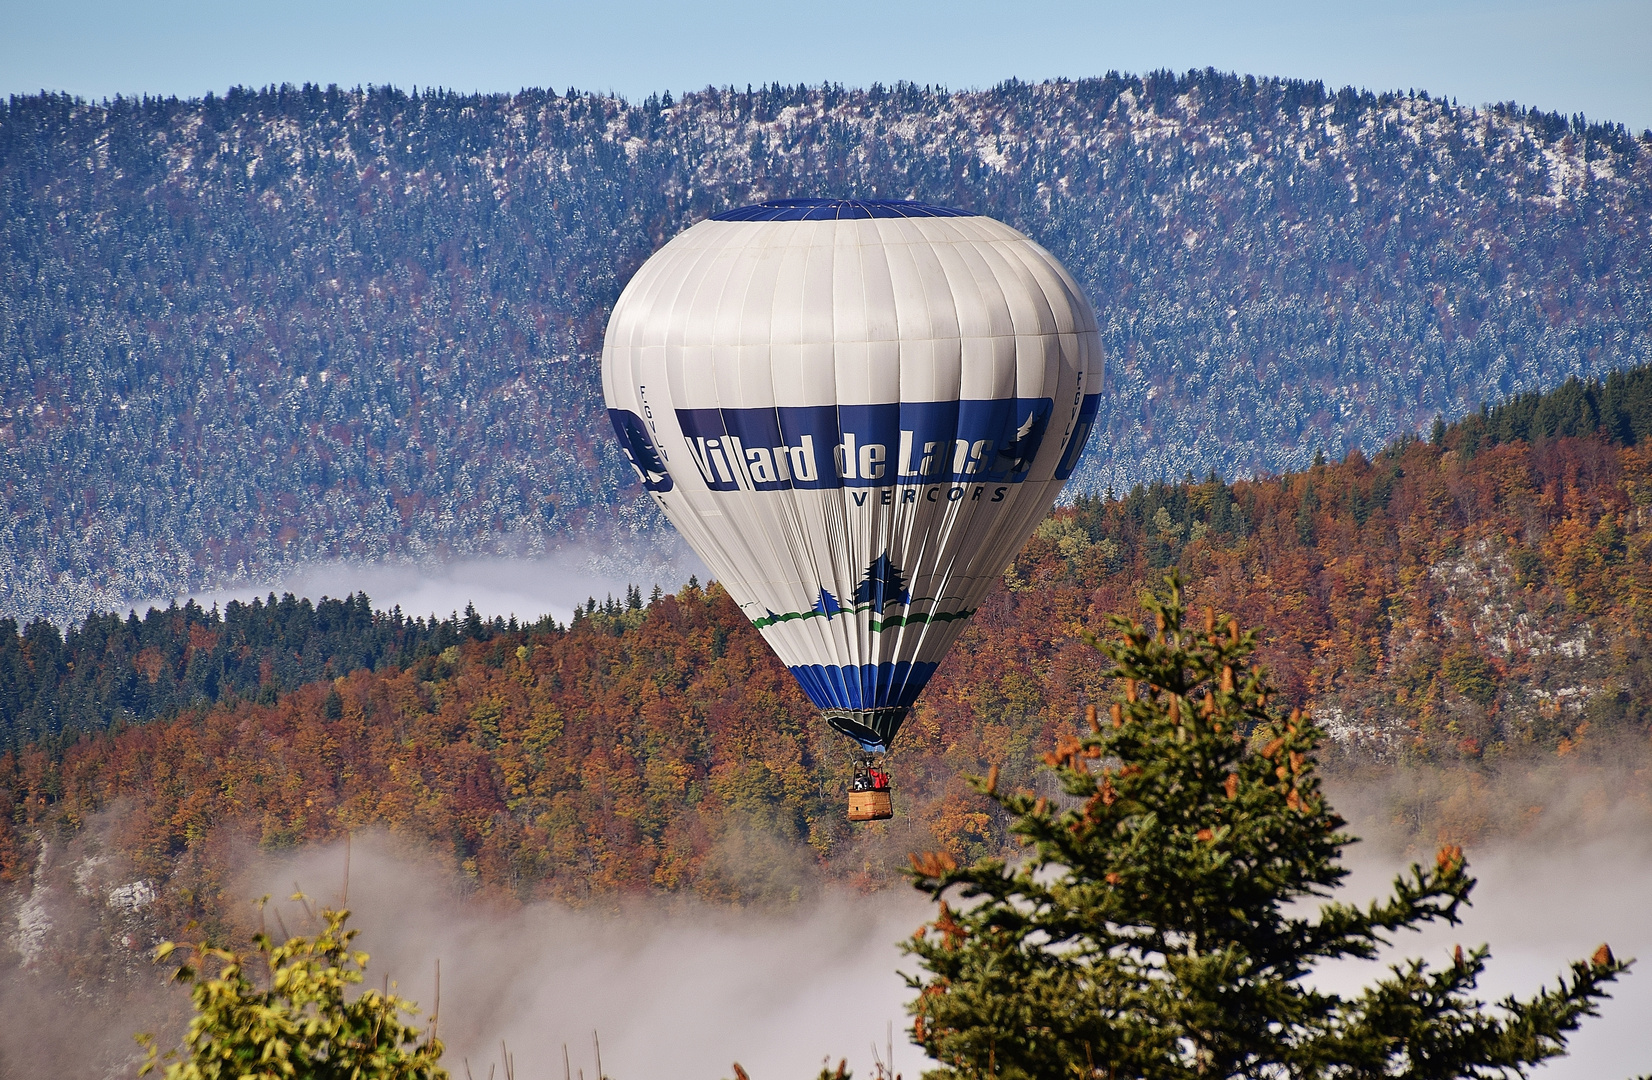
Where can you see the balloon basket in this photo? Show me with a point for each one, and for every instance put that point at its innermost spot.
(870, 806)
(869, 798)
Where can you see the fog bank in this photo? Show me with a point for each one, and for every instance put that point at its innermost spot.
(682, 989)
(524, 587)
(1539, 909)
(677, 988)
(674, 989)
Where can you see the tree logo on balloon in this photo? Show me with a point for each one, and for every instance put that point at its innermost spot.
(639, 447)
(883, 585)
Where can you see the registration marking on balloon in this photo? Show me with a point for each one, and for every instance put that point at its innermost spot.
(855, 413)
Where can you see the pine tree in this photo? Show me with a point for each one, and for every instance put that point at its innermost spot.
(1154, 929)
(884, 584)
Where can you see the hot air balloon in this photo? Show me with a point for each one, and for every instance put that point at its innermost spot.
(855, 412)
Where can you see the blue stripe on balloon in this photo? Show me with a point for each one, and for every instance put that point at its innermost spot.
(780, 448)
(888, 685)
(1080, 435)
(836, 210)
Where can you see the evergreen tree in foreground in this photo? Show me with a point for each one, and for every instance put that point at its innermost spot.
(1152, 932)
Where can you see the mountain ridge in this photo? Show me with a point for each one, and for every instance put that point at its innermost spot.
(247, 332)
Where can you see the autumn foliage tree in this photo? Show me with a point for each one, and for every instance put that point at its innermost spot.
(1472, 608)
(286, 1012)
(1156, 929)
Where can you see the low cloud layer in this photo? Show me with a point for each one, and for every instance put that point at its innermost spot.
(684, 989)
(1539, 909)
(525, 587)
(671, 989)
(676, 988)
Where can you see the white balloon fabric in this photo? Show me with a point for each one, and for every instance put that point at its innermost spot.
(856, 413)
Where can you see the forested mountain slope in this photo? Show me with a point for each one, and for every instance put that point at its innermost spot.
(108, 671)
(1463, 602)
(280, 325)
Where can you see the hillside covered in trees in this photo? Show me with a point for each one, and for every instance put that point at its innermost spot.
(1464, 601)
(108, 671)
(279, 325)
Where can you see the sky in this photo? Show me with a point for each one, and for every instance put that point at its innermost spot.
(1590, 57)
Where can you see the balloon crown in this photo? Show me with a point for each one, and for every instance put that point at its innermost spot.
(836, 210)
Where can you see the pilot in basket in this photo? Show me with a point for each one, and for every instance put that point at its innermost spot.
(869, 793)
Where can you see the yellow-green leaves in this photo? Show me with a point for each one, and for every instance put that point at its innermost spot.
(282, 1013)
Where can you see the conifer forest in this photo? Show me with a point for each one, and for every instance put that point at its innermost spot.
(249, 331)
(1460, 601)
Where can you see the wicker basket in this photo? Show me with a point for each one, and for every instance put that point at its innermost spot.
(870, 806)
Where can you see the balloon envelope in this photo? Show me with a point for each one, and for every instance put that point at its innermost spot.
(856, 413)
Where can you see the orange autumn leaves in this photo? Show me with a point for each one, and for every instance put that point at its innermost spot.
(618, 754)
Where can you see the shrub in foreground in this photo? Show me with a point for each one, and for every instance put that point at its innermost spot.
(282, 1014)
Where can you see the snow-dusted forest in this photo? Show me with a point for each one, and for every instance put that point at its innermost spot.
(248, 331)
